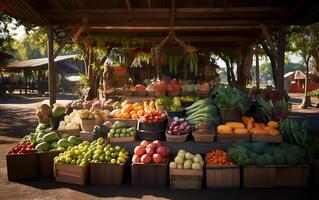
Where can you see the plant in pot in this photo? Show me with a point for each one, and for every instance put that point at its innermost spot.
(230, 103)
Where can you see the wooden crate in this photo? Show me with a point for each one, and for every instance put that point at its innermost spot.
(275, 176)
(222, 176)
(176, 138)
(46, 163)
(106, 174)
(204, 137)
(266, 138)
(75, 132)
(22, 166)
(87, 136)
(259, 177)
(149, 174)
(233, 137)
(292, 176)
(185, 178)
(122, 139)
(74, 174)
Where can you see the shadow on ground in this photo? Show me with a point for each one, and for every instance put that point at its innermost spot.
(16, 122)
(155, 192)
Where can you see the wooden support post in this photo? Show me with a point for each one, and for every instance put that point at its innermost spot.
(52, 72)
(281, 58)
(257, 72)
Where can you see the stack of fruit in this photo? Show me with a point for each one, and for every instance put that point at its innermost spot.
(153, 116)
(119, 130)
(153, 152)
(179, 128)
(22, 148)
(186, 160)
(55, 141)
(218, 158)
(95, 152)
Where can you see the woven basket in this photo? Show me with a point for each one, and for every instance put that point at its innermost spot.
(87, 125)
(176, 138)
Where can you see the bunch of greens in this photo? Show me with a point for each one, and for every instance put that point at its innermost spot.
(274, 111)
(294, 133)
(228, 97)
(164, 101)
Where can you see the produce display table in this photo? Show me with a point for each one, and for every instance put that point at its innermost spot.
(195, 147)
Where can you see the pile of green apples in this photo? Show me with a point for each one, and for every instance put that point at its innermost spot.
(95, 152)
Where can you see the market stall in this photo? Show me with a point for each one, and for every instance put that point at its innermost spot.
(184, 130)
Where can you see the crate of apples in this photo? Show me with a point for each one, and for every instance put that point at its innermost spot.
(153, 152)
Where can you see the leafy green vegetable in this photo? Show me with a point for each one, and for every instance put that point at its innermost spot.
(228, 97)
(164, 101)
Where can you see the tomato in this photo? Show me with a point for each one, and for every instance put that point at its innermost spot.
(151, 118)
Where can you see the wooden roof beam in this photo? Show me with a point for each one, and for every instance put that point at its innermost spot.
(149, 3)
(80, 3)
(227, 4)
(55, 4)
(173, 13)
(294, 9)
(128, 5)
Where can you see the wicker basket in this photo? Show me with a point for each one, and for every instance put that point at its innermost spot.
(230, 114)
(209, 137)
(87, 125)
(176, 138)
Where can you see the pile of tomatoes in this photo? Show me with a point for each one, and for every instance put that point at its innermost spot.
(23, 147)
(153, 116)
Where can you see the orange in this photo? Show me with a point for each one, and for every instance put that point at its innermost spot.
(133, 112)
(127, 116)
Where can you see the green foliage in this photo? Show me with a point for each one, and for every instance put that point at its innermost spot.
(263, 154)
(295, 134)
(228, 97)
(265, 68)
(314, 93)
(259, 147)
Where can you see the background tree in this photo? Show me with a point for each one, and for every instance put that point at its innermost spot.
(304, 42)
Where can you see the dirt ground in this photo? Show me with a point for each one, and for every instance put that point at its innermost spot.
(17, 119)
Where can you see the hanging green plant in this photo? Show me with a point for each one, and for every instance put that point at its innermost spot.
(141, 57)
(192, 61)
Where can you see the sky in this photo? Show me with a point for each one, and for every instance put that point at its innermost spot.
(20, 32)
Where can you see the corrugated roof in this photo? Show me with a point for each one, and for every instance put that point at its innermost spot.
(37, 62)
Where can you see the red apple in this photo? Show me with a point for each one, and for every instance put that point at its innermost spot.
(150, 151)
(157, 142)
(162, 151)
(144, 143)
(152, 145)
(146, 158)
(136, 159)
(157, 158)
(139, 150)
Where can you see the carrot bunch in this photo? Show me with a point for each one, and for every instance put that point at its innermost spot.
(218, 158)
